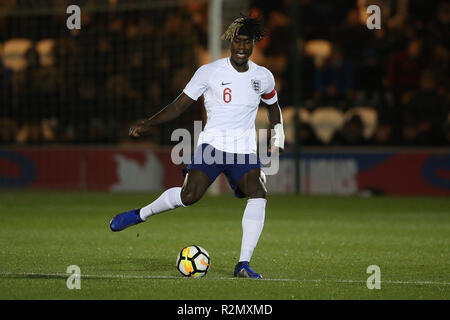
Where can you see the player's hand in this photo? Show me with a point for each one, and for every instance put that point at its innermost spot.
(136, 131)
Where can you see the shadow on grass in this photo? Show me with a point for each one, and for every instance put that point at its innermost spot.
(33, 276)
(140, 265)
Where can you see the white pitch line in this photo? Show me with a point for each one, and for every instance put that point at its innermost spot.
(128, 276)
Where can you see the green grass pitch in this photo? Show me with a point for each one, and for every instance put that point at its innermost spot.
(311, 247)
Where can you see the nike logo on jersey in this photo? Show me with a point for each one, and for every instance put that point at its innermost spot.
(225, 83)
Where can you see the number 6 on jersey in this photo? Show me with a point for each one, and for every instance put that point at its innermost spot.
(227, 95)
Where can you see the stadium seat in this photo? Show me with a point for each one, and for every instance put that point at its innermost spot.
(326, 121)
(304, 115)
(369, 117)
(44, 48)
(319, 49)
(14, 53)
(8, 130)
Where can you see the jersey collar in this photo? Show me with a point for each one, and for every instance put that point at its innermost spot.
(250, 66)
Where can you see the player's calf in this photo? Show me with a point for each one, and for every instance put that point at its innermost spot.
(194, 187)
(189, 197)
(252, 185)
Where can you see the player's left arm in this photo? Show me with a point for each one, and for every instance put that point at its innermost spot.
(270, 98)
(276, 124)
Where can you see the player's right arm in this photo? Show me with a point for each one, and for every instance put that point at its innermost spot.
(193, 90)
(169, 112)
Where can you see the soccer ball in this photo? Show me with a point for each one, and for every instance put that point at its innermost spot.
(193, 261)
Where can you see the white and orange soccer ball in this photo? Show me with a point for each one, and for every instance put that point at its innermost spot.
(193, 261)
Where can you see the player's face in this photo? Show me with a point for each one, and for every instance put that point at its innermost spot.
(241, 49)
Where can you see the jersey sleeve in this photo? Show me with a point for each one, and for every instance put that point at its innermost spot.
(198, 83)
(269, 95)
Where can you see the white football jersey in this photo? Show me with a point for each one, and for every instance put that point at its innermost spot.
(231, 101)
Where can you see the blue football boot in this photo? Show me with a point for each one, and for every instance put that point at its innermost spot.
(125, 220)
(243, 270)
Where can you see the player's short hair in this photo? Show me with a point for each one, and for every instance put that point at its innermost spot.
(251, 27)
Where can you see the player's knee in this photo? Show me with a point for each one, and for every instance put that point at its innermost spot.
(189, 197)
(257, 192)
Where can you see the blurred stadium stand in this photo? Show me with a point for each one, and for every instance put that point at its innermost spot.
(326, 121)
(131, 58)
(68, 97)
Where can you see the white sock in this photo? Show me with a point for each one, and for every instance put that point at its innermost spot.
(168, 200)
(252, 225)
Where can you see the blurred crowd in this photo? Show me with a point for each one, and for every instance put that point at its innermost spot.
(127, 64)
(121, 66)
(400, 70)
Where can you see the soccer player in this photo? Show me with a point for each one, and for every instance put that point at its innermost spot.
(232, 88)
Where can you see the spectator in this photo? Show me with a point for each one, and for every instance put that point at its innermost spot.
(408, 130)
(439, 27)
(446, 134)
(404, 67)
(335, 80)
(128, 57)
(351, 134)
(439, 66)
(384, 135)
(370, 71)
(350, 32)
(30, 104)
(307, 136)
(428, 111)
